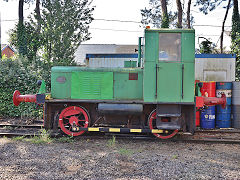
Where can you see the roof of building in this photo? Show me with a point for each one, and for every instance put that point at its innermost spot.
(4, 46)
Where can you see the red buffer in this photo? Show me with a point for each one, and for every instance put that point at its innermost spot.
(211, 101)
(18, 98)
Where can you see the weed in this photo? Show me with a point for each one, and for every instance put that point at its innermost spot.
(65, 139)
(174, 156)
(112, 142)
(126, 152)
(44, 137)
(18, 138)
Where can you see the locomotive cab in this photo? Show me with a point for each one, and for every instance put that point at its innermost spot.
(169, 63)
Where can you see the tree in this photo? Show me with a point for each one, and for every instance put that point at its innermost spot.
(165, 19)
(206, 47)
(65, 25)
(156, 15)
(236, 50)
(223, 24)
(179, 8)
(235, 20)
(21, 34)
(210, 5)
(188, 14)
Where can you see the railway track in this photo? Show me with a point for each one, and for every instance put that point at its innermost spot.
(231, 136)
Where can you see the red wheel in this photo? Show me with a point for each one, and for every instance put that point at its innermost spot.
(152, 125)
(72, 118)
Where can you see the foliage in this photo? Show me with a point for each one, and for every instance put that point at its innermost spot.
(206, 47)
(32, 38)
(16, 74)
(65, 25)
(43, 138)
(21, 44)
(65, 139)
(153, 16)
(18, 138)
(209, 5)
(127, 152)
(235, 21)
(112, 142)
(236, 50)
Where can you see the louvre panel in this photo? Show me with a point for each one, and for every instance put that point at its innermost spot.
(92, 85)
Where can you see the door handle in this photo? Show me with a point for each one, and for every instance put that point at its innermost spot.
(182, 80)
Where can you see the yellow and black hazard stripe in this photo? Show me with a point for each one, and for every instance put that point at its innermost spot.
(122, 130)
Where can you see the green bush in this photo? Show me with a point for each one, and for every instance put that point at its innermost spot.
(18, 74)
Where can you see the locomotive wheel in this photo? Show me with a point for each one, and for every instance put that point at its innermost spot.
(72, 118)
(152, 125)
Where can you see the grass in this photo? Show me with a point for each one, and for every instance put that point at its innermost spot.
(174, 156)
(18, 138)
(112, 142)
(65, 139)
(126, 152)
(43, 138)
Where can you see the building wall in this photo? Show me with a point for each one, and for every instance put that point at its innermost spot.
(215, 67)
(109, 60)
(84, 49)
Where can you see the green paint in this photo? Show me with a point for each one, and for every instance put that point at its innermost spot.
(92, 85)
(61, 85)
(42, 89)
(170, 87)
(127, 89)
(169, 82)
(149, 72)
(188, 48)
(188, 82)
(130, 64)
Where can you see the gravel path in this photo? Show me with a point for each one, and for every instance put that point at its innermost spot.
(125, 159)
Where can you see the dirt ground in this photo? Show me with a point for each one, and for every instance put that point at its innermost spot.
(110, 158)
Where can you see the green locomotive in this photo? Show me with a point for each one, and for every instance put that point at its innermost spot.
(158, 96)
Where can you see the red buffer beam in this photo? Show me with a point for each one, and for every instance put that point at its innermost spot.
(18, 98)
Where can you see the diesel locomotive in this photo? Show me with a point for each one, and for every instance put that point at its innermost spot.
(157, 96)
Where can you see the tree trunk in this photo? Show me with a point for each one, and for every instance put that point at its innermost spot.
(223, 24)
(20, 11)
(188, 14)
(179, 8)
(235, 20)
(165, 19)
(38, 15)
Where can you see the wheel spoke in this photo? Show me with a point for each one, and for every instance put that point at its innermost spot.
(66, 124)
(76, 115)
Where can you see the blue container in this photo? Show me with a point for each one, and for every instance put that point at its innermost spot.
(208, 118)
(223, 117)
(226, 88)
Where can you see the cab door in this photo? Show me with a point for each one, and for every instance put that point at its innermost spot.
(169, 68)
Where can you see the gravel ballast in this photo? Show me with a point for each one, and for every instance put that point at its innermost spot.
(124, 159)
